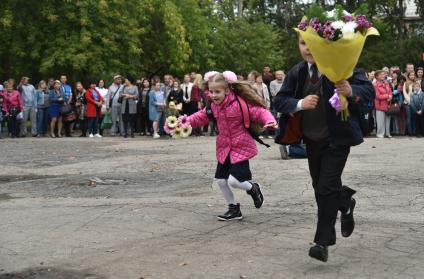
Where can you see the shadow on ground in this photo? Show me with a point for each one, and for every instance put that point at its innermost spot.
(49, 273)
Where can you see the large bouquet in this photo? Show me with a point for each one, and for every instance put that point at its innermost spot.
(335, 39)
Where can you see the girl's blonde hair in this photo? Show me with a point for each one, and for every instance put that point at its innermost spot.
(41, 82)
(198, 80)
(80, 83)
(246, 92)
(240, 88)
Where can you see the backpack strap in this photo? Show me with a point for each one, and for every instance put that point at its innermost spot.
(244, 111)
(246, 120)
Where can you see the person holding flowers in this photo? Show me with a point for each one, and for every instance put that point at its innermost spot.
(319, 102)
(235, 144)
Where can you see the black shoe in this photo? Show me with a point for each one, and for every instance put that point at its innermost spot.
(132, 135)
(319, 252)
(347, 222)
(125, 136)
(283, 152)
(256, 194)
(233, 213)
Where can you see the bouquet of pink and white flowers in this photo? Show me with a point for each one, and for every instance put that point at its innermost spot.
(335, 24)
(335, 39)
(177, 127)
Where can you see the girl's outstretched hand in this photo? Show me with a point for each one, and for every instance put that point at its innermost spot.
(271, 126)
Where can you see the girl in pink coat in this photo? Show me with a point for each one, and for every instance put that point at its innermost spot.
(234, 145)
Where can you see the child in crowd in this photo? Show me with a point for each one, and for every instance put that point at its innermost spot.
(417, 106)
(235, 145)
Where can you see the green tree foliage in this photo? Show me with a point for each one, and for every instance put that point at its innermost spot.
(242, 46)
(99, 38)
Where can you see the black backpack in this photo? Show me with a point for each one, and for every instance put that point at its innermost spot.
(244, 108)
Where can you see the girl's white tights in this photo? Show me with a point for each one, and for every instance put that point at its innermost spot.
(233, 182)
(226, 191)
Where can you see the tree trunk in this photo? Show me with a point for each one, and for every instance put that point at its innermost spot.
(401, 26)
(240, 8)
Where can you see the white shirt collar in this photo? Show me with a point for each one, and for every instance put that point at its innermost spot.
(310, 72)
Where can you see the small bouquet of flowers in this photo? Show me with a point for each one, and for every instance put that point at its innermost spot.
(177, 127)
(335, 39)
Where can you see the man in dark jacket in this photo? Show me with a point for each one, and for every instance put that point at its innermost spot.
(305, 96)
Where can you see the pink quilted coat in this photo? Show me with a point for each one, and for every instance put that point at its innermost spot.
(233, 138)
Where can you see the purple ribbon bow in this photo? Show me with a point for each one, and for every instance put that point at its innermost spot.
(335, 101)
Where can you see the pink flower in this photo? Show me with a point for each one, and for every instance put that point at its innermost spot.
(347, 18)
(169, 131)
(315, 24)
(362, 22)
(303, 25)
(328, 31)
(183, 121)
(210, 75)
(230, 77)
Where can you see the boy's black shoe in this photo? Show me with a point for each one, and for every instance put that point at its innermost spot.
(347, 221)
(256, 194)
(233, 213)
(319, 252)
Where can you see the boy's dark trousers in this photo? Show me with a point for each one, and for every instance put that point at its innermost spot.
(419, 124)
(326, 164)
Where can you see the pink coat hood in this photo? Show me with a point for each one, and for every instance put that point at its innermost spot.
(233, 139)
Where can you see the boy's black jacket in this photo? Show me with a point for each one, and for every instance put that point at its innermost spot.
(342, 133)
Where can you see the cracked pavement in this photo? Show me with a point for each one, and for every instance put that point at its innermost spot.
(138, 208)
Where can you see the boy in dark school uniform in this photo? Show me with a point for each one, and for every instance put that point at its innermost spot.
(305, 96)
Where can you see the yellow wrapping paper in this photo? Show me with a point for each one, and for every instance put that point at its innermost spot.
(336, 59)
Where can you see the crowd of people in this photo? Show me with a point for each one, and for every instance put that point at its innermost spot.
(399, 101)
(138, 107)
(55, 108)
